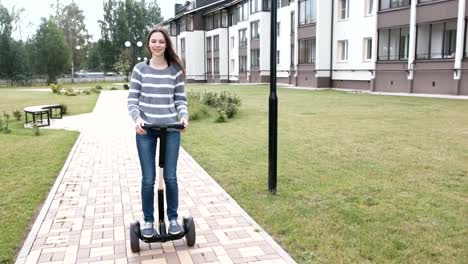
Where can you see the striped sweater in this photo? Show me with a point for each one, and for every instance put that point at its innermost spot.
(157, 96)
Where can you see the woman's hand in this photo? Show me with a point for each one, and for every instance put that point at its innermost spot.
(139, 126)
(184, 122)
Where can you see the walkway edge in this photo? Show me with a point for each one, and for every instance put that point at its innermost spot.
(28, 243)
(284, 255)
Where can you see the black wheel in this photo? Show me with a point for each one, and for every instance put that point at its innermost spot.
(190, 234)
(135, 236)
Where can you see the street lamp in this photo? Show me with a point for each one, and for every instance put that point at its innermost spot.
(128, 44)
(73, 65)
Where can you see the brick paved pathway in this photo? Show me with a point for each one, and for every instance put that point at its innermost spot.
(86, 217)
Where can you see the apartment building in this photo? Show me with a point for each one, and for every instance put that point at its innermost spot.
(412, 46)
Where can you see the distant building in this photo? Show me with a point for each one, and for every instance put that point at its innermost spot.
(417, 46)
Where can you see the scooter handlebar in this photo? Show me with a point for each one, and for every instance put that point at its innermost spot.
(179, 126)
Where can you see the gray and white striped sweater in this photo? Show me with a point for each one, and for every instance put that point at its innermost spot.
(157, 96)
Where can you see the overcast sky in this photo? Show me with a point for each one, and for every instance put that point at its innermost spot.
(92, 9)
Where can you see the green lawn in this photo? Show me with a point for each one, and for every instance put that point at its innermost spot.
(29, 164)
(361, 178)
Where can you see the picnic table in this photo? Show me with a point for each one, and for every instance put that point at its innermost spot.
(41, 113)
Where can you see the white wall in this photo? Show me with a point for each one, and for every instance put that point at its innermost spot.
(195, 60)
(264, 29)
(283, 43)
(223, 52)
(354, 29)
(323, 35)
(234, 51)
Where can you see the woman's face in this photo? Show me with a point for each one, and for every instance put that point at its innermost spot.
(157, 44)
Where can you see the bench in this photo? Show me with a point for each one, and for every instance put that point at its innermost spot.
(39, 111)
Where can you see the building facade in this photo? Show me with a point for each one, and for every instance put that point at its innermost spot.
(411, 46)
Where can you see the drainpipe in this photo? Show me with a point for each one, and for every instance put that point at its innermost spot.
(204, 55)
(228, 58)
(331, 42)
(412, 44)
(459, 48)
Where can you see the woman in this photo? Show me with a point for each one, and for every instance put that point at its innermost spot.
(157, 96)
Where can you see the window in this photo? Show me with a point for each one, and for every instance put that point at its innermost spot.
(387, 4)
(292, 54)
(393, 44)
(182, 45)
(266, 5)
(208, 65)
(278, 29)
(307, 11)
(255, 57)
(216, 43)
(243, 38)
(232, 42)
(436, 41)
(255, 6)
(466, 39)
(234, 17)
(342, 50)
(293, 23)
(208, 44)
(217, 20)
(233, 64)
(243, 11)
(369, 7)
(182, 51)
(343, 9)
(173, 27)
(306, 51)
(216, 65)
(278, 3)
(182, 24)
(277, 57)
(224, 19)
(242, 63)
(367, 49)
(190, 22)
(209, 22)
(254, 34)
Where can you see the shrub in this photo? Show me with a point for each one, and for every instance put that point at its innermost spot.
(55, 88)
(35, 130)
(6, 115)
(113, 88)
(17, 114)
(210, 99)
(198, 110)
(95, 90)
(1, 124)
(88, 92)
(220, 116)
(99, 87)
(228, 103)
(125, 86)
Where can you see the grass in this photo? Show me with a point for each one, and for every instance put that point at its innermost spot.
(361, 178)
(29, 164)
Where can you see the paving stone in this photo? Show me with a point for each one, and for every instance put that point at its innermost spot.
(98, 197)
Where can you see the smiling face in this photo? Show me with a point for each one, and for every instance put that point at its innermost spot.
(157, 44)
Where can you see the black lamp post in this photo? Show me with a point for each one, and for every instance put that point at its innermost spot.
(128, 44)
(273, 107)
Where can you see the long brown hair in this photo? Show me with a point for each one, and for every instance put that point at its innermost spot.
(169, 54)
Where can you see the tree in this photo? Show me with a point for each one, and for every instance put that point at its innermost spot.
(94, 61)
(71, 20)
(52, 54)
(128, 20)
(13, 58)
(122, 66)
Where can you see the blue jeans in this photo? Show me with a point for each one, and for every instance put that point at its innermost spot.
(146, 145)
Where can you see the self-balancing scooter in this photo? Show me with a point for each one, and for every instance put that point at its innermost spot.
(188, 224)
